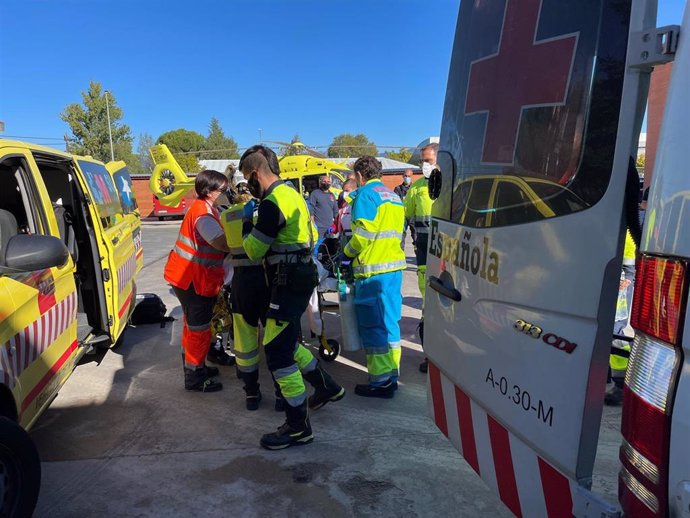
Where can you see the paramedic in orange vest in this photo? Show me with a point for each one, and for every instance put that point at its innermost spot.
(195, 272)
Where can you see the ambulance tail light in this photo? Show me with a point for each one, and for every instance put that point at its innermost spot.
(659, 298)
(657, 315)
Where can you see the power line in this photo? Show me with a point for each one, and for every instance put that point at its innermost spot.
(202, 151)
(61, 139)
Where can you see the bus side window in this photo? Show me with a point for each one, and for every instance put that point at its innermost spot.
(513, 206)
(18, 196)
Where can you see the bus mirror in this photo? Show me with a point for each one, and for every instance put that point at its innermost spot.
(30, 253)
(435, 181)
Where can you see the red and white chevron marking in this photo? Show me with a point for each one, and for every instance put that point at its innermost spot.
(528, 485)
(126, 272)
(28, 344)
(138, 246)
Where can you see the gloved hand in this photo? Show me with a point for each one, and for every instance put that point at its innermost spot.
(330, 231)
(248, 210)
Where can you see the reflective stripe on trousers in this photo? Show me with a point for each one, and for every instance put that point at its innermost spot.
(280, 340)
(378, 305)
(246, 344)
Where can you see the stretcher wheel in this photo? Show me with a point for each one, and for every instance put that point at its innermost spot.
(329, 356)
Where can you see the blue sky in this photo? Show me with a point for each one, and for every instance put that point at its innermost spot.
(313, 67)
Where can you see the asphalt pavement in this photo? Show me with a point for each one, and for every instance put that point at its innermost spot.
(123, 438)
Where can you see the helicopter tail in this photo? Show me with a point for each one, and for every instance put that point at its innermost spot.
(168, 181)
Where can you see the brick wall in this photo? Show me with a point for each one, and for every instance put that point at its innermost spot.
(393, 180)
(140, 186)
(658, 89)
(144, 196)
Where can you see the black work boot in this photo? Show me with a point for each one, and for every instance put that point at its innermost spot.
(326, 389)
(210, 371)
(386, 391)
(252, 397)
(198, 381)
(251, 389)
(296, 430)
(614, 393)
(216, 354)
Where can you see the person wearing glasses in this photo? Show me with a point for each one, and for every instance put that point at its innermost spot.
(195, 272)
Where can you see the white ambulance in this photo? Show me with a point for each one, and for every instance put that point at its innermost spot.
(543, 111)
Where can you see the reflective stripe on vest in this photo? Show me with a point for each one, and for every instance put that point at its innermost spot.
(296, 236)
(198, 248)
(193, 260)
(288, 258)
(243, 262)
(377, 235)
(381, 267)
(232, 222)
(196, 259)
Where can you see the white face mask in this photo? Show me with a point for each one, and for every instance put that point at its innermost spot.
(426, 169)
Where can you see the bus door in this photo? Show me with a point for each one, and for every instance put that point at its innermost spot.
(114, 241)
(128, 203)
(541, 116)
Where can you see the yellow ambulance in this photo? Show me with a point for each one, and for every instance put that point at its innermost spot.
(70, 251)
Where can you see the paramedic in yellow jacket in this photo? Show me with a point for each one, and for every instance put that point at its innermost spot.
(249, 296)
(378, 221)
(619, 364)
(418, 213)
(282, 237)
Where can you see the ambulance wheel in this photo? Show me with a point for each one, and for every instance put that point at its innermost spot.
(20, 470)
(334, 352)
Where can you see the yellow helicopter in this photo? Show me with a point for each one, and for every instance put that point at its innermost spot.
(170, 183)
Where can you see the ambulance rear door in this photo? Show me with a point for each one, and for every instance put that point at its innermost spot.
(540, 118)
(114, 240)
(128, 202)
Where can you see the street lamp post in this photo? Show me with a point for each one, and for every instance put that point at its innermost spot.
(110, 132)
(260, 135)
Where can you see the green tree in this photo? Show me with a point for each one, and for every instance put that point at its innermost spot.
(218, 145)
(292, 149)
(640, 161)
(185, 145)
(348, 145)
(123, 151)
(404, 155)
(88, 123)
(145, 161)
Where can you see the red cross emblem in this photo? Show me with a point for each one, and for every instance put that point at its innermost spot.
(524, 73)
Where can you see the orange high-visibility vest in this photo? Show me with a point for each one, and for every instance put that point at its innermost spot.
(193, 260)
